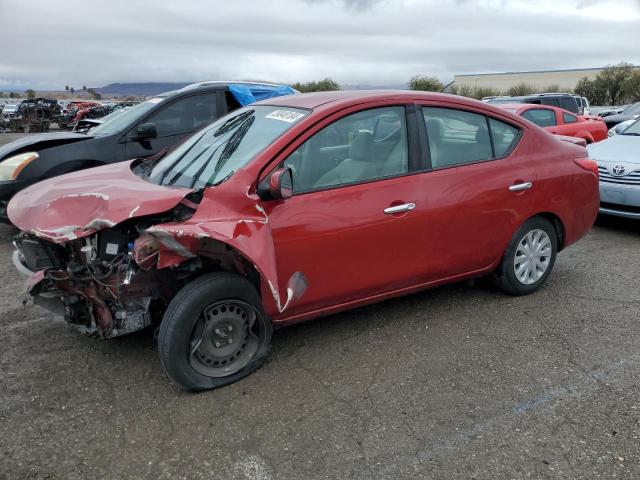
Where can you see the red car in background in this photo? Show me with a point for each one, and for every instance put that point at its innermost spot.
(561, 122)
(298, 207)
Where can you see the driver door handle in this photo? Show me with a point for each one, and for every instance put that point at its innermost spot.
(520, 186)
(405, 207)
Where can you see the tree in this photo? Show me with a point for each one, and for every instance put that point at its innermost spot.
(632, 88)
(553, 88)
(613, 80)
(12, 95)
(593, 91)
(477, 92)
(30, 93)
(317, 86)
(521, 89)
(84, 87)
(425, 83)
(66, 87)
(71, 89)
(95, 95)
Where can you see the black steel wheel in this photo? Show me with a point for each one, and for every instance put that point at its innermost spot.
(214, 332)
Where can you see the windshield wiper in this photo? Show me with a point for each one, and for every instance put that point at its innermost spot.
(232, 144)
(631, 134)
(232, 122)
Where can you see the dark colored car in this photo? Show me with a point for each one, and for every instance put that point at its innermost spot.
(566, 101)
(299, 207)
(141, 131)
(630, 113)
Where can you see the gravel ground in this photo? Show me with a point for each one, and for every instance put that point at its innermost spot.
(456, 382)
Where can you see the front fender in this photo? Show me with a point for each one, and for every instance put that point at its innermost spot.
(249, 235)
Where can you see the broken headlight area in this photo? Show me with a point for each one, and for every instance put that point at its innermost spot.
(95, 283)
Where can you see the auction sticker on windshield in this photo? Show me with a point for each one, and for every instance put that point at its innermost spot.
(285, 115)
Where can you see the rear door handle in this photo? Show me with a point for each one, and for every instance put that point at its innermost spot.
(405, 207)
(518, 187)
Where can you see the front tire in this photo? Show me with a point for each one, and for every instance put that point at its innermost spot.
(214, 332)
(529, 258)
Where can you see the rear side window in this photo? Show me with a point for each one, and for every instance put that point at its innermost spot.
(504, 136)
(542, 117)
(568, 118)
(568, 103)
(456, 137)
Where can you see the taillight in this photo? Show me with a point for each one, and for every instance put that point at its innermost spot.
(588, 164)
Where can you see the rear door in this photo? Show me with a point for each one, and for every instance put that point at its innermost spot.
(477, 193)
(174, 121)
(567, 124)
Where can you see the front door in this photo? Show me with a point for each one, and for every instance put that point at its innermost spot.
(352, 226)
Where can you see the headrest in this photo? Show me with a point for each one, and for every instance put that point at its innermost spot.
(361, 147)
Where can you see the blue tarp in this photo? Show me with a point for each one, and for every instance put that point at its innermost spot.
(246, 94)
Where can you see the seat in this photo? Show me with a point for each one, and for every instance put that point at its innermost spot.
(360, 165)
(435, 133)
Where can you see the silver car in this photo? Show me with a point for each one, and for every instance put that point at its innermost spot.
(618, 160)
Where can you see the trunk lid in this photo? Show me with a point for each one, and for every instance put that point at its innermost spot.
(81, 203)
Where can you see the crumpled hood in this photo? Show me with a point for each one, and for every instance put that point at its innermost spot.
(81, 203)
(40, 141)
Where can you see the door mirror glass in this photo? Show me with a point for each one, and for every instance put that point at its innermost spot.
(281, 183)
(145, 131)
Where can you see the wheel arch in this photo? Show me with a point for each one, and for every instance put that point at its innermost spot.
(558, 226)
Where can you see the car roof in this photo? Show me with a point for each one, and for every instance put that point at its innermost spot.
(316, 99)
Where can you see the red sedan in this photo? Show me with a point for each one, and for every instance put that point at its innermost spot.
(561, 122)
(299, 207)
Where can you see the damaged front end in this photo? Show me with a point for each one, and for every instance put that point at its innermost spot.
(94, 281)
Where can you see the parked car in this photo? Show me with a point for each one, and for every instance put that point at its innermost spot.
(141, 131)
(561, 122)
(566, 101)
(299, 207)
(619, 167)
(605, 112)
(630, 113)
(619, 128)
(583, 104)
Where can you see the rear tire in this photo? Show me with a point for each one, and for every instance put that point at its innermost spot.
(214, 332)
(529, 259)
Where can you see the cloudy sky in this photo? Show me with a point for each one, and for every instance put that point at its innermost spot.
(50, 43)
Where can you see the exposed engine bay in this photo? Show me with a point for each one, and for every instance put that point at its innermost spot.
(107, 283)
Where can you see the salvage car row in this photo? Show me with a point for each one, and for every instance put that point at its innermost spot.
(291, 208)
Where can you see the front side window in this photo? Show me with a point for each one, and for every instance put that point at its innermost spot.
(456, 137)
(568, 118)
(542, 117)
(360, 147)
(211, 155)
(185, 115)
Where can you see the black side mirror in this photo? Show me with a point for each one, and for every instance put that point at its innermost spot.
(277, 185)
(145, 131)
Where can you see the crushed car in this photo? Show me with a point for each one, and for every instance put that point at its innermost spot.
(293, 208)
(32, 115)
